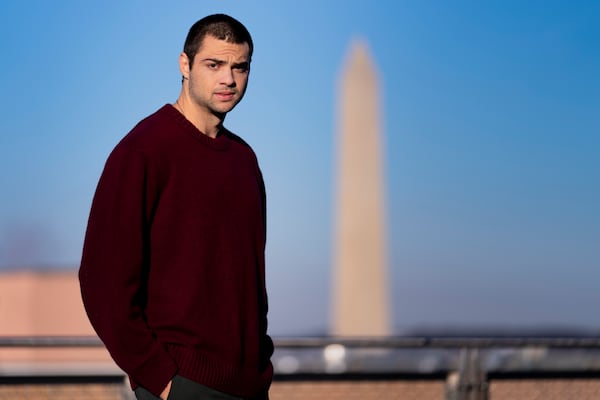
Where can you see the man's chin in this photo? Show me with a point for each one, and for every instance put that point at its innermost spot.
(224, 108)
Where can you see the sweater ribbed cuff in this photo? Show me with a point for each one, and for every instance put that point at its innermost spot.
(237, 380)
(155, 373)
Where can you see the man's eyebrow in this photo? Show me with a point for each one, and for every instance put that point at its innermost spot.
(221, 62)
(243, 64)
(215, 60)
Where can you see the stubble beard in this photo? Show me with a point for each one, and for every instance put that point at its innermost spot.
(213, 107)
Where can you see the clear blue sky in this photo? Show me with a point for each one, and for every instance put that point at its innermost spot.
(492, 132)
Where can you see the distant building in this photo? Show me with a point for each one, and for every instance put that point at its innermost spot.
(46, 304)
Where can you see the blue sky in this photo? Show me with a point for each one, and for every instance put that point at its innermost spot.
(492, 141)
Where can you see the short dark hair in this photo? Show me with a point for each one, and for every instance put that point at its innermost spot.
(220, 26)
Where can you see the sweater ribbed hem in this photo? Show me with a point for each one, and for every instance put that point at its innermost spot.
(237, 380)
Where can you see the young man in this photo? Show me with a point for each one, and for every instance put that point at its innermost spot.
(172, 273)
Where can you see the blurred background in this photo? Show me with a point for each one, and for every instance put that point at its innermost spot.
(492, 144)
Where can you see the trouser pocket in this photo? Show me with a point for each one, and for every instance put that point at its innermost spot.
(186, 389)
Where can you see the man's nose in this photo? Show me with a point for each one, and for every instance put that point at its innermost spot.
(227, 77)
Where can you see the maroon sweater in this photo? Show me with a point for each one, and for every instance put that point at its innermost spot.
(172, 274)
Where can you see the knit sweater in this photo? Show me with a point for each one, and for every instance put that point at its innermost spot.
(172, 273)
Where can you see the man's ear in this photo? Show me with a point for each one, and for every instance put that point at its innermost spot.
(184, 65)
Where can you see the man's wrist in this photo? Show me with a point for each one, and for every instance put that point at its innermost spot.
(165, 393)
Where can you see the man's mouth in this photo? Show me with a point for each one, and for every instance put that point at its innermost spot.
(225, 95)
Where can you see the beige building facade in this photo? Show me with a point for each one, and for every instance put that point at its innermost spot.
(46, 304)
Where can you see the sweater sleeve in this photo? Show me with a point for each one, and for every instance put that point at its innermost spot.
(114, 266)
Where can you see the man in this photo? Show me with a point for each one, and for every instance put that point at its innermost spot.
(172, 273)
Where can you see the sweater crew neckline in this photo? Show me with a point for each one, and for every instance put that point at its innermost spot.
(221, 142)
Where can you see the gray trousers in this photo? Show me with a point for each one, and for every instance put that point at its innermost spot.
(185, 389)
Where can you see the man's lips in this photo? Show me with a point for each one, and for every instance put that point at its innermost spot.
(225, 95)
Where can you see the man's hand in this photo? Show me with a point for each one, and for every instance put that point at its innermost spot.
(165, 392)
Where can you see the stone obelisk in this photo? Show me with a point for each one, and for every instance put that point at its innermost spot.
(360, 281)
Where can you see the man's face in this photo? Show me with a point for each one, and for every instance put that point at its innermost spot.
(218, 78)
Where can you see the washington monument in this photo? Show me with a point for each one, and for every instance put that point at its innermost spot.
(360, 282)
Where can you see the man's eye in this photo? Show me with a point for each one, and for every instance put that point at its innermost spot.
(213, 65)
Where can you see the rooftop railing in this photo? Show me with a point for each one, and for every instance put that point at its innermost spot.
(466, 364)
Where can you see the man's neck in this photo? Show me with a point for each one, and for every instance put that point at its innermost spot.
(207, 123)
